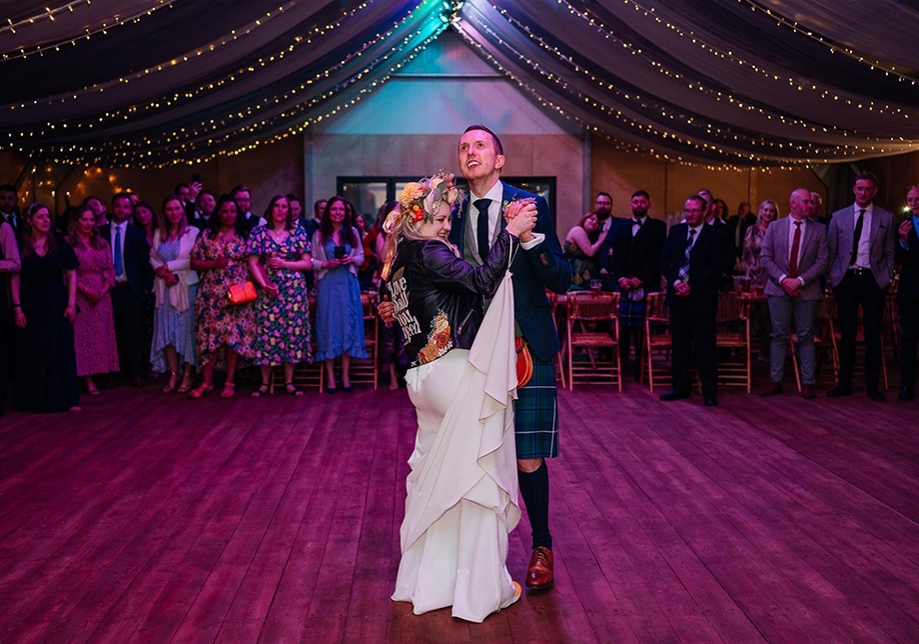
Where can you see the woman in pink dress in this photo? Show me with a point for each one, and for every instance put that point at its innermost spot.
(94, 327)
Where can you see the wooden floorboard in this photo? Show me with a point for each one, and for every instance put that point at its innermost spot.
(153, 518)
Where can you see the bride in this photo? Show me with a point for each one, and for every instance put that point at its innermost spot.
(461, 498)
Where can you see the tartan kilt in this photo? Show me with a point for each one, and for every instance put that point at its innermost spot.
(632, 314)
(536, 414)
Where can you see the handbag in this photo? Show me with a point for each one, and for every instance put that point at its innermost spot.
(242, 293)
(524, 362)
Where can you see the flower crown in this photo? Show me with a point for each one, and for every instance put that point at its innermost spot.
(421, 200)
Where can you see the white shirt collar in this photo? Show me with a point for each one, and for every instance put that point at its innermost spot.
(495, 193)
(869, 209)
(123, 225)
(696, 228)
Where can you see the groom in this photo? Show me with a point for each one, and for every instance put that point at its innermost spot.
(540, 264)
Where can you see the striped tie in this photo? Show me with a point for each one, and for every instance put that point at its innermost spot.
(683, 273)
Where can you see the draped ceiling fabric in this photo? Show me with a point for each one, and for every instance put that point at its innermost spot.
(741, 83)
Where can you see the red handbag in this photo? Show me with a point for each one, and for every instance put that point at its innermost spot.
(242, 293)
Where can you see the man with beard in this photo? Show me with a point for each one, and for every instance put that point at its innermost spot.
(636, 269)
(8, 210)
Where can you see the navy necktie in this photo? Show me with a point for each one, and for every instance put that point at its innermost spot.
(482, 227)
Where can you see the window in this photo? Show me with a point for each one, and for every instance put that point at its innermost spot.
(369, 193)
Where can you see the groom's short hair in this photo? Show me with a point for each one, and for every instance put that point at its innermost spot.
(494, 136)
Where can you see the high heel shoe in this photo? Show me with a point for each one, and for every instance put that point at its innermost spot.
(201, 390)
(173, 381)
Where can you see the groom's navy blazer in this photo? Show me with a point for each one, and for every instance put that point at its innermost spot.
(535, 270)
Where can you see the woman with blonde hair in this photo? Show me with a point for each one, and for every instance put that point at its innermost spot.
(461, 500)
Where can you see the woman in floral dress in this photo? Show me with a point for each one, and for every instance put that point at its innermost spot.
(220, 257)
(279, 252)
(94, 327)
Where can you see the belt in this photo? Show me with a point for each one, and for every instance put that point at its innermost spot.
(123, 284)
(861, 271)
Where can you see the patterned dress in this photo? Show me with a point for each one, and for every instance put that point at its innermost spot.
(340, 315)
(172, 327)
(583, 268)
(94, 328)
(218, 321)
(282, 323)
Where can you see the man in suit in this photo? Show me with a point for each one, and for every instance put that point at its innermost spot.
(794, 254)
(691, 261)
(95, 204)
(861, 239)
(8, 211)
(9, 264)
(907, 256)
(540, 264)
(737, 229)
(814, 212)
(133, 279)
(637, 271)
(243, 197)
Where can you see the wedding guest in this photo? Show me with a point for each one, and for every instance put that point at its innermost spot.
(370, 267)
(202, 210)
(737, 232)
(296, 206)
(760, 321)
(907, 256)
(753, 243)
(862, 239)
(44, 296)
(182, 191)
(279, 253)
(94, 328)
(133, 280)
(392, 346)
(9, 264)
(339, 316)
(174, 287)
(221, 259)
(243, 197)
(146, 219)
(98, 209)
(8, 211)
(311, 225)
(582, 244)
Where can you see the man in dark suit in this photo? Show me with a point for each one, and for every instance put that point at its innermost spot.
(862, 239)
(133, 279)
(539, 265)
(243, 197)
(691, 262)
(637, 271)
(907, 256)
(737, 229)
(794, 255)
(9, 213)
(9, 264)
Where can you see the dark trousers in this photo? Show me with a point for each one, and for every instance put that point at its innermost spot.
(909, 343)
(691, 331)
(859, 288)
(5, 337)
(629, 336)
(128, 308)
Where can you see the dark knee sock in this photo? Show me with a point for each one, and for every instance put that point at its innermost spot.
(534, 488)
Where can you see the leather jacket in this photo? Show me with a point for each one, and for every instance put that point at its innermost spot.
(438, 297)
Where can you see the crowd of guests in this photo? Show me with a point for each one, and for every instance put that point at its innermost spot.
(198, 285)
(789, 262)
(136, 289)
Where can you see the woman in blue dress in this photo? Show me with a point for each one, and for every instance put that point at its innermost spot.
(174, 288)
(337, 253)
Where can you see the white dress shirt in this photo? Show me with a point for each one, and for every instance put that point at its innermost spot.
(124, 233)
(637, 224)
(495, 210)
(863, 256)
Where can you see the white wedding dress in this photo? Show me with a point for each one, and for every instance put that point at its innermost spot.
(462, 490)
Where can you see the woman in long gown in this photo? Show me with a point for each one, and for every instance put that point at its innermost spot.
(461, 500)
(44, 295)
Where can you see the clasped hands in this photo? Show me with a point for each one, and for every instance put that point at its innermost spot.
(521, 216)
(166, 275)
(791, 286)
(629, 283)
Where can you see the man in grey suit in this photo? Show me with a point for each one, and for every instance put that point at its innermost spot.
(861, 241)
(794, 254)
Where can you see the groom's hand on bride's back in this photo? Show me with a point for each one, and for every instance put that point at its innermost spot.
(385, 310)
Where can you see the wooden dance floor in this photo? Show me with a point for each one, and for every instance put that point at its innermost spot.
(153, 518)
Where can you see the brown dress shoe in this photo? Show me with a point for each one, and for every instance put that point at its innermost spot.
(808, 393)
(773, 389)
(539, 574)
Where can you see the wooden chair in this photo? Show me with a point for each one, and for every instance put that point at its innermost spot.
(367, 371)
(585, 307)
(825, 346)
(307, 374)
(733, 313)
(559, 367)
(657, 340)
